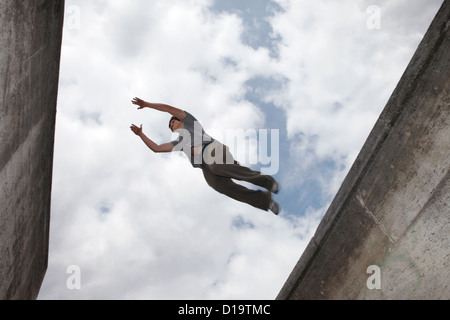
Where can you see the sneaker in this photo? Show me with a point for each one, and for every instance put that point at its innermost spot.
(275, 187)
(274, 207)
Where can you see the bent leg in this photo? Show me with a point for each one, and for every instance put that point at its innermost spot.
(224, 185)
(238, 172)
(224, 165)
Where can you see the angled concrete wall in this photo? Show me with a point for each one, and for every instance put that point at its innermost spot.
(30, 42)
(386, 234)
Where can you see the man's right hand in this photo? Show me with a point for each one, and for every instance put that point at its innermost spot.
(137, 130)
(139, 102)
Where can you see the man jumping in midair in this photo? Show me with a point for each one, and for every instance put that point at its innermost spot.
(214, 158)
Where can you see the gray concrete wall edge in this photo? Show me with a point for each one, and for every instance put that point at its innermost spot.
(31, 35)
(387, 120)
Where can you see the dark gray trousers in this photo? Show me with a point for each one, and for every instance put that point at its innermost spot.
(219, 168)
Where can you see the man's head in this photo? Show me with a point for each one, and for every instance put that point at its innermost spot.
(175, 124)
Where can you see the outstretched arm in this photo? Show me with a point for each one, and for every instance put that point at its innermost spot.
(166, 147)
(180, 114)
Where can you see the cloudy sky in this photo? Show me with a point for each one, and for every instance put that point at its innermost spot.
(313, 75)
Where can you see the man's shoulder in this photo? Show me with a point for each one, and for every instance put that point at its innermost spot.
(189, 116)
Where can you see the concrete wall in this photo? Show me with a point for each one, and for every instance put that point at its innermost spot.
(393, 209)
(30, 42)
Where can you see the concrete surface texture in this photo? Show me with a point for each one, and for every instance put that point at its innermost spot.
(386, 235)
(30, 41)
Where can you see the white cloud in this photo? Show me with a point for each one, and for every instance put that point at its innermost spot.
(341, 73)
(141, 225)
(147, 226)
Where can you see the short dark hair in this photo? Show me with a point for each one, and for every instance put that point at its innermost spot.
(173, 118)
